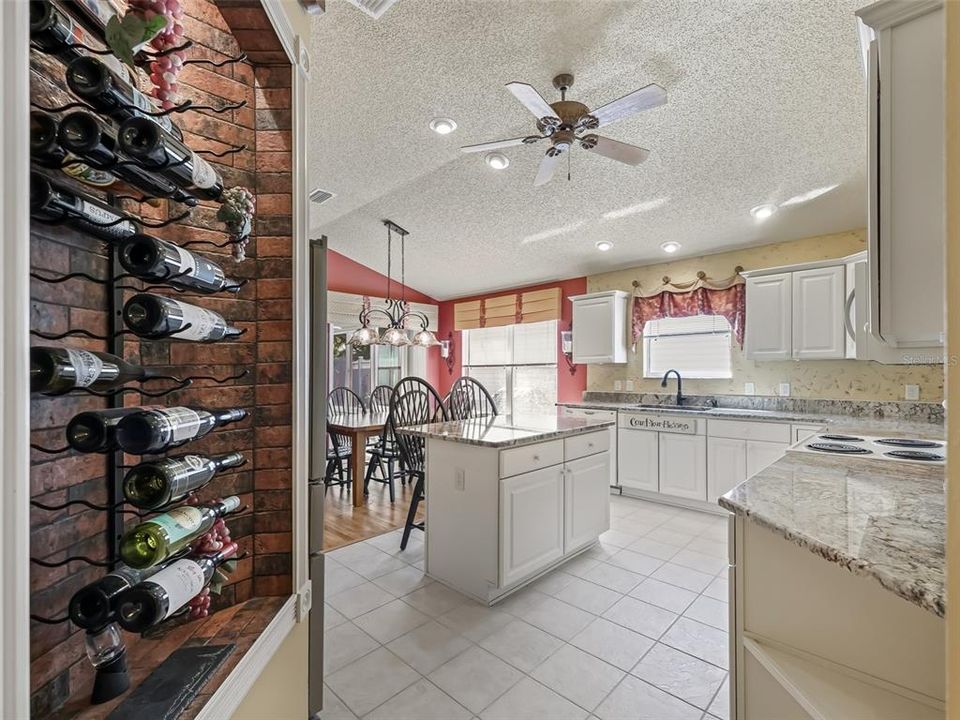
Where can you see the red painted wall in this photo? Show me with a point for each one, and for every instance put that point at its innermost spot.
(349, 276)
(570, 387)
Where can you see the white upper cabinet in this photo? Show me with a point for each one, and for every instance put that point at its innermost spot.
(769, 317)
(906, 231)
(600, 327)
(818, 307)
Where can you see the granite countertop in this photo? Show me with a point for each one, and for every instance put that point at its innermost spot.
(885, 520)
(507, 430)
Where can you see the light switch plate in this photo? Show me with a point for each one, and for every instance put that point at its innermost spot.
(749, 389)
(630, 387)
(911, 392)
(617, 386)
(784, 390)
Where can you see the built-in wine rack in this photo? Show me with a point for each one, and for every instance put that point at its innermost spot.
(165, 193)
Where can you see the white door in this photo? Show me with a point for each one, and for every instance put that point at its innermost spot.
(761, 454)
(818, 310)
(683, 465)
(586, 500)
(593, 329)
(531, 523)
(769, 317)
(726, 465)
(638, 459)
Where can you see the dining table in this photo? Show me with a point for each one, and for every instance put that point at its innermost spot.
(359, 427)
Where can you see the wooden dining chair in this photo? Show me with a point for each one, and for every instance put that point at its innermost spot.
(413, 402)
(470, 399)
(339, 469)
(384, 454)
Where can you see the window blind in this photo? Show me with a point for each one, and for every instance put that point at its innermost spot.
(697, 346)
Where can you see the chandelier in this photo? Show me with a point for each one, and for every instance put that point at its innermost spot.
(395, 311)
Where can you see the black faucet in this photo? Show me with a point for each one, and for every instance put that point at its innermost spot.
(663, 384)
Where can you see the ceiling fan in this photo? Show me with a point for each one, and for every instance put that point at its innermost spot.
(567, 123)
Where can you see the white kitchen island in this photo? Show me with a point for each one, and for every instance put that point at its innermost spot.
(510, 498)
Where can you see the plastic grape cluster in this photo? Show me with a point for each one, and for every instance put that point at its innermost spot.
(236, 212)
(165, 69)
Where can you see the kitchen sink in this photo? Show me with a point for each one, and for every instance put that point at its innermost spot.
(675, 408)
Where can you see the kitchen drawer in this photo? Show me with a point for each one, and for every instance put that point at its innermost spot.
(527, 458)
(579, 446)
(742, 430)
(594, 413)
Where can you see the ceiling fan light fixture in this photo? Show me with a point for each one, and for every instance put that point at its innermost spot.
(670, 246)
(604, 245)
(498, 161)
(443, 126)
(762, 212)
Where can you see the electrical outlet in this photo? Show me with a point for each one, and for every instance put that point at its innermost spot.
(784, 390)
(460, 479)
(617, 386)
(630, 386)
(911, 392)
(749, 389)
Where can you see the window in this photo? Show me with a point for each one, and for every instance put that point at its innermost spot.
(517, 364)
(697, 346)
(363, 368)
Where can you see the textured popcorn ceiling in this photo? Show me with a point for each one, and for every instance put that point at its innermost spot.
(766, 101)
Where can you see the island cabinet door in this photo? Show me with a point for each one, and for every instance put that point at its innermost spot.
(586, 501)
(683, 465)
(531, 523)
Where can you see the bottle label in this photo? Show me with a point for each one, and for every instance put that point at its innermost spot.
(97, 213)
(202, 322)
(181, 581)
(204, 176)
(86, 365)
(183, 423)
(188, 261)
(186, 473)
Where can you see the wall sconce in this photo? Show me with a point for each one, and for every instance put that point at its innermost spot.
(566, 347)
(446, 352)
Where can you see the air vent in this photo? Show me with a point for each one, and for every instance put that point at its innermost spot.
(373, 8)
(320, 196)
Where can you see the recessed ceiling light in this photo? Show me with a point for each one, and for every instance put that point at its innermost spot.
(809, 195)
(762, 212)
(604, 245)
(498, 161)
(443, 126)
(671, 246)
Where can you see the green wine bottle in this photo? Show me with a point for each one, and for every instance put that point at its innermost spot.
(155, 540)
(151, 485)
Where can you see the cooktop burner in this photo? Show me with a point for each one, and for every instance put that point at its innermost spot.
(915, 455)
(841, 438)
(840, 448)
(909, 443)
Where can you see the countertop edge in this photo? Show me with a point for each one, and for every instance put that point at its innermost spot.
(541, 436)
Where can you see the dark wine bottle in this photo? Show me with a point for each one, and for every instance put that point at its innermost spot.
(95, 430)
(161, 152)
(153, 541)
(44, 146)
(54, 202)
(156, 429)
(60, 35)
(92, 81)
(57, 370)
(154, 600)
(152, 485)
(156, 316)
(90, 138)
(150, 258)
(93, 605)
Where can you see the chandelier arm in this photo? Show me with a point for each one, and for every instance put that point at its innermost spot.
(366, 314)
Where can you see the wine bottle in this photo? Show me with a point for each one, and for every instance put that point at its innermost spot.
(88, 137)
(51, 201)
(95, 430)
(154, 600)
(156, 316)
(92, 81)
(57, 33)
(94, 605)
(149, 258)
(158, 150)
(155, 540)
(152, 485)
(57, 370)
(155, 429)
(47, 150)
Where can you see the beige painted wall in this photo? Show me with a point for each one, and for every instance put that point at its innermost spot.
(280, 693)
(831, 379)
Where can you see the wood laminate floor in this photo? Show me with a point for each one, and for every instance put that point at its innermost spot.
(345, 524)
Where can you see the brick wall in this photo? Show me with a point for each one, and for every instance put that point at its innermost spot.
(263, 307)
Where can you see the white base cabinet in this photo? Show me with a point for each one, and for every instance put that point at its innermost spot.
(638, 461)
(586, 501)
(683, 465)
(726, 465)
(531, 523)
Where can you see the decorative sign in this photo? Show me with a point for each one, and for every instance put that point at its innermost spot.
(659, 423)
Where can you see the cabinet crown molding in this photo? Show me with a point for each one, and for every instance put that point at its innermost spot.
(888, 13)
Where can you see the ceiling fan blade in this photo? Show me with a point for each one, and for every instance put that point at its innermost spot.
(643, 99)
(615, 150)
(547, 166)
(531, 99)
(497, 144)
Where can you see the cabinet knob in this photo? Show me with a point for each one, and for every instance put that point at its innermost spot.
(589, 444)
(536, 458)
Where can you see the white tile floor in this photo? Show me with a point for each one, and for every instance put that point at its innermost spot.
(636, 628)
